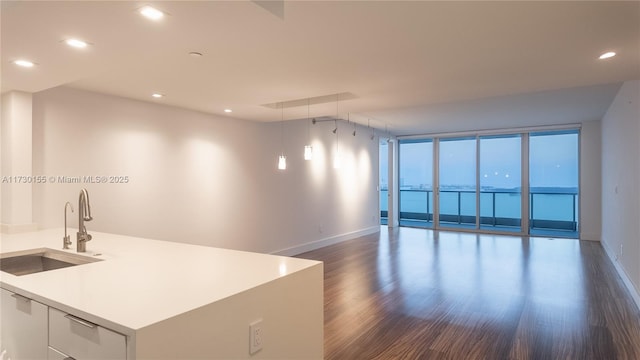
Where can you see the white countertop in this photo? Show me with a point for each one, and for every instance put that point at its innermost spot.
(141, 281)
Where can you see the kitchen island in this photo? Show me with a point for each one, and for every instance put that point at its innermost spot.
(166, 300)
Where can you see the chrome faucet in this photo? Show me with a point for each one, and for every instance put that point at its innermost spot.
(84, 214)
(66, 241)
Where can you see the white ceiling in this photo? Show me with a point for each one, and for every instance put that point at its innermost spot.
(418, 67)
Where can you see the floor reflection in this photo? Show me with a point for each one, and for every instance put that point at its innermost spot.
(415, 293)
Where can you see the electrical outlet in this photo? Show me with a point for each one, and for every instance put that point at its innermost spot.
(255, 336)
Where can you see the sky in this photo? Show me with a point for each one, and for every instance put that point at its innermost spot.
(553, 162)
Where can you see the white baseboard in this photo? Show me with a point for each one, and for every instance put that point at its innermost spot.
(623, 274)
(17, 228)
(313, 245)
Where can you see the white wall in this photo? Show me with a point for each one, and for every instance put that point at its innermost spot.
(621, 184)
(16, 164)
(197, 178)
(590, 181)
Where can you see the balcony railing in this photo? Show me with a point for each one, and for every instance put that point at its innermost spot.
(548, 210)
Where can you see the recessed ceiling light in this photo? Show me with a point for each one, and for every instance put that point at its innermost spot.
(607, 55)
(24, 63)
(157, 96)
(228, 110)
(151, 13)
(76, 43)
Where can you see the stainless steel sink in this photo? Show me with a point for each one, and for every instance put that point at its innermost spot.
(38, 260)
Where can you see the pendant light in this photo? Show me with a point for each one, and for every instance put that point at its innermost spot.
(308, 149)
(282, 162)
(308, 152)
(282, 159)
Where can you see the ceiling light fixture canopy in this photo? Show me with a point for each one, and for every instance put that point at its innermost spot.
(607, 55)
(24, 63)
(151, 13)
(76, 43)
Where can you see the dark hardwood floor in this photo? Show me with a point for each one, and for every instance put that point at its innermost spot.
(417, 294)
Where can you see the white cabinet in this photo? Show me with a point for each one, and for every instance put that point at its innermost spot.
(24, 327)
(81, 339)
(33, 331)
(56, 355)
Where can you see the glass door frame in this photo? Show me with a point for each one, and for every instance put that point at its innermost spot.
(429, 221)
(523, 141)
(524, 170)
(436, 182)
(578, 198)
(524, 176)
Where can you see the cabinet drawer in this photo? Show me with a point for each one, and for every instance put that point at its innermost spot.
(23, 327)
(83, 340)
(56, 355)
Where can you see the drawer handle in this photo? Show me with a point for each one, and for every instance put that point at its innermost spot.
(69, 358)
(20, 297)
(81, 322)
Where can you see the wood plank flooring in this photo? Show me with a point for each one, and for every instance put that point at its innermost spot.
(418, 294)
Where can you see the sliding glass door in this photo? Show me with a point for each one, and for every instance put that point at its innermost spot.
(457, 183)
(416, 183)
(501, 183)
(553, 181)
(383, 184)
(479, 182)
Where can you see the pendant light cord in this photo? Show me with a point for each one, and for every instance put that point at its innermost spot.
(336, 123)
(309, 121)
(282, 127)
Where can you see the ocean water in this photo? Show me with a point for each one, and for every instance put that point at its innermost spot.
(549, 206)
